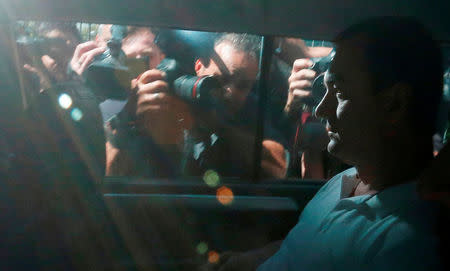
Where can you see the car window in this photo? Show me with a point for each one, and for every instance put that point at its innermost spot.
(196, 114)
(171, 102)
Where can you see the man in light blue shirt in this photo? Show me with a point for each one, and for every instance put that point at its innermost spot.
(390, 230)
(384, 86)
(383, 90)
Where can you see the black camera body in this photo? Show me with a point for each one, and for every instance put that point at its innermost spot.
(205, 91)
(37, 47)
(182, 48)
(110, 74)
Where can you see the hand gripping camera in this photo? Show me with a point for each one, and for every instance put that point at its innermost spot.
(318, 89)
(182, 48)
(110, 74)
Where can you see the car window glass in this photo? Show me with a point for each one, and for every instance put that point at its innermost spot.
(197, 118)
(292, 99)
(193, 114)
(293, 96)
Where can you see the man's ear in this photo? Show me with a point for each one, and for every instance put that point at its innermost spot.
(199, 67)
(397, 100)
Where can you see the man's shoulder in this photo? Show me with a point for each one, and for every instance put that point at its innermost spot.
(410, 240)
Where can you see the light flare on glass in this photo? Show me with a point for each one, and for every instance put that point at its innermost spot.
(213, 257)
(225, 195)
(76, 114)
(211, 178)
(202, 248)
(65, 101)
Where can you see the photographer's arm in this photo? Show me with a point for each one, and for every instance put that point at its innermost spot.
(313, 137)
(158, 118)
(242, 142)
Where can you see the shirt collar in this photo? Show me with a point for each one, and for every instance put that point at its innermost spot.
(349, 181)
(384, 202)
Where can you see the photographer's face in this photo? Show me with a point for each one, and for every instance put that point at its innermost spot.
(58, 57)
(237, 71)
(141, 44)
(353, 112)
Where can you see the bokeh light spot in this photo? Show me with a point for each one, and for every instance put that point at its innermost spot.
(76, 114)
(65, 101)
(202, 248)
(225, 195)
(213, 257)
(211, 178)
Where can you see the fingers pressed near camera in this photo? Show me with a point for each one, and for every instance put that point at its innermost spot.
(304, 74)
(159, 98)
(155, 86)
(300, 93)
(83, 48)
(84, 55)
(150, 76)
(87, 58)
(300, 85)
(163, 116)
(301, 63)
(30, 68)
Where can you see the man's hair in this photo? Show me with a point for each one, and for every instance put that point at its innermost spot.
(64, 27)
(401, 50)
(135, 31)
(250, 44)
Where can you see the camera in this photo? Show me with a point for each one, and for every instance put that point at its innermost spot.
(205, 91)
(37, 47)
(30, 50)
(182, 48)
(318, 89)
(110, 74)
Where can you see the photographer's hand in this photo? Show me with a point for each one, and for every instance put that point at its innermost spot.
(159, 114)
(44, 80)
(84, 55)
(299, 83)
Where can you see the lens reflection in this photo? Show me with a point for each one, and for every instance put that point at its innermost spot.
(65, 101)
(211, 178)
(225, 195)
(76, 114)
(213, 257)
(202, 248)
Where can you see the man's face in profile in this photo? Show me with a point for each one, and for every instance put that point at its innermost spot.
(352, 110)
(237, 71)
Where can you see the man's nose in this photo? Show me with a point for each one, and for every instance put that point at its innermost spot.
(326, 107)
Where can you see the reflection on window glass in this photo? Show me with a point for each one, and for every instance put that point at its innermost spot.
(172, 102)
(184, 103)
(293, 96)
